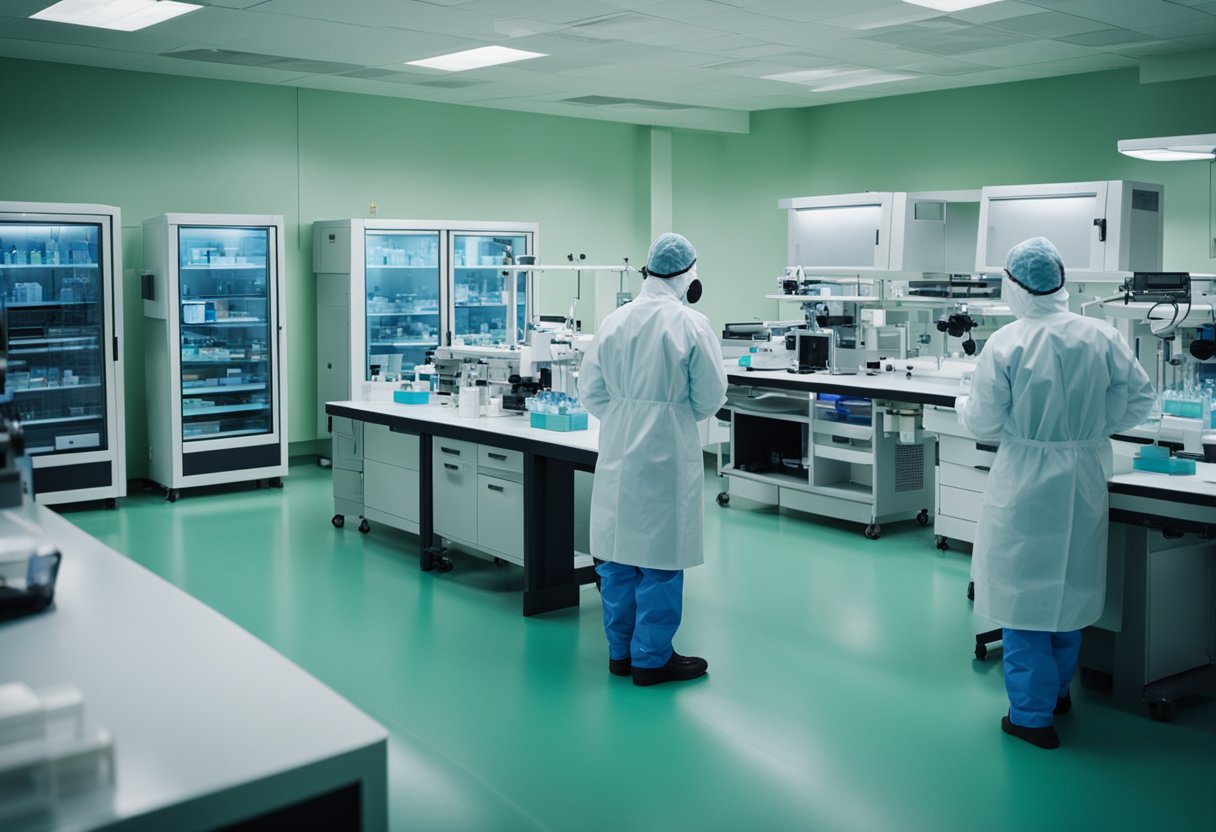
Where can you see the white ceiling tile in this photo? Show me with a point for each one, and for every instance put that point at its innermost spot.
(740, 21)
(677, 36)
(996, 11)
(761, 69)
(1155, 12)
(1034, 52)
(147, 42)
(685, 10)
(373, 47)
(1174, 31)
(942, 66)
(1048, 25)
(549, 11)
(807, 35)
(1147, 48)
(205, 69)
(66, 53)
(806, 11)
(402, 14)
(751, 86)
(892, 14)
(223, 26)
(1106, 37)
(48, 32)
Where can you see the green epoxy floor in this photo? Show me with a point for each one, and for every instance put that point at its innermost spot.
(842, 694)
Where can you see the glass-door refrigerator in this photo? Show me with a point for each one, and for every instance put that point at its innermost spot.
(215, 349)
(61, 292)
(490, 307)
(380, 302)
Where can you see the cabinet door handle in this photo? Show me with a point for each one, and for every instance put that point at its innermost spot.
(497, 488)
(500, 457)
(988, 448)
(451, 467)
(452, 451)
(984, 468)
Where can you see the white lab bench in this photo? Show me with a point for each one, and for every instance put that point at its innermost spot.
(211, 727)
(856, 471)
(491, 484)
(1156, 642)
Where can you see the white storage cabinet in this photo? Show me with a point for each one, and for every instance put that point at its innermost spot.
(1099, 227)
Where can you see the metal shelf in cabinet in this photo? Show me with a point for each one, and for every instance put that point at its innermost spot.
(50, 388)
(54, 420)
(227, 296)
(227, 322)
(394, 314)
(221, 409)
(212, 361)
(224, 433)
(48, 265)
(52, 304)
(230, 267)
(219, 389)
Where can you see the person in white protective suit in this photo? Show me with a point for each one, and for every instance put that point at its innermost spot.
(1051, 388)
(654, 370)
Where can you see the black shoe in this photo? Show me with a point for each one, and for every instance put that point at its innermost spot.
(1063, 705)
(1042, 737)
(619, 667)
(678, 669)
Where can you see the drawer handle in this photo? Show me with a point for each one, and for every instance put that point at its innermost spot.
(988, 448)
(451, 467)
(984, 468)
(497, 488)
(452, 451)
(500, 457)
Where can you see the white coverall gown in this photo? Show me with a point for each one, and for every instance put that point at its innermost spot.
(654, 370)
(1040, 549)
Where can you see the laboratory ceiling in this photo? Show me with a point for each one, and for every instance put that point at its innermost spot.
(702, 64)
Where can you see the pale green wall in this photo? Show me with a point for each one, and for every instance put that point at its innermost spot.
(153, 143)
(1055, 130)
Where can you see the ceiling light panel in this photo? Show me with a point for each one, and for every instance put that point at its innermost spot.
(479, 58)
(1171, 148)
(119, 15)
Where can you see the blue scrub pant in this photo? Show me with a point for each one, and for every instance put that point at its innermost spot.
(642, 610)
(1038, 669)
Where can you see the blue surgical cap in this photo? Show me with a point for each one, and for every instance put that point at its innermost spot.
(671, 254)
(1036, 266)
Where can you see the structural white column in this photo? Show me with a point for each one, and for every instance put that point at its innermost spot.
(660, 182)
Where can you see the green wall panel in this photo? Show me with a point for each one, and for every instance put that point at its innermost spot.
(154, 143)
(1054, 130)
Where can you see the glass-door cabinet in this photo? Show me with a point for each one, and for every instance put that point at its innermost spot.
(58, 289)
(403, 303)
(489, 306)
(225, 320)
(214, 305)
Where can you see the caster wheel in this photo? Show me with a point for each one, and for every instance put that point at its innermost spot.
(111, 503)
(172, 494)
(277, 482)
(723, 498)
(499, 562)
(443, 564)
(1163, 710)
(922, 519)
(941, 542)
(873, 531)
(364, 526)
(971, 590)
(257, 484)
(981, 651)
(338, 520)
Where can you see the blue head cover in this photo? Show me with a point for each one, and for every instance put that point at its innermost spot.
(1036, 266)
(670, 255)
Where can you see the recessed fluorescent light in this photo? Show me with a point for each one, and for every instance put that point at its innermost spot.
(862, 81)
(1171, 148)
(951, 5)
(477, 58)
(805, 76)
(121, 15)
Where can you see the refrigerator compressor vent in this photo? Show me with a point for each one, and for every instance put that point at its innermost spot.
(909, 468)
